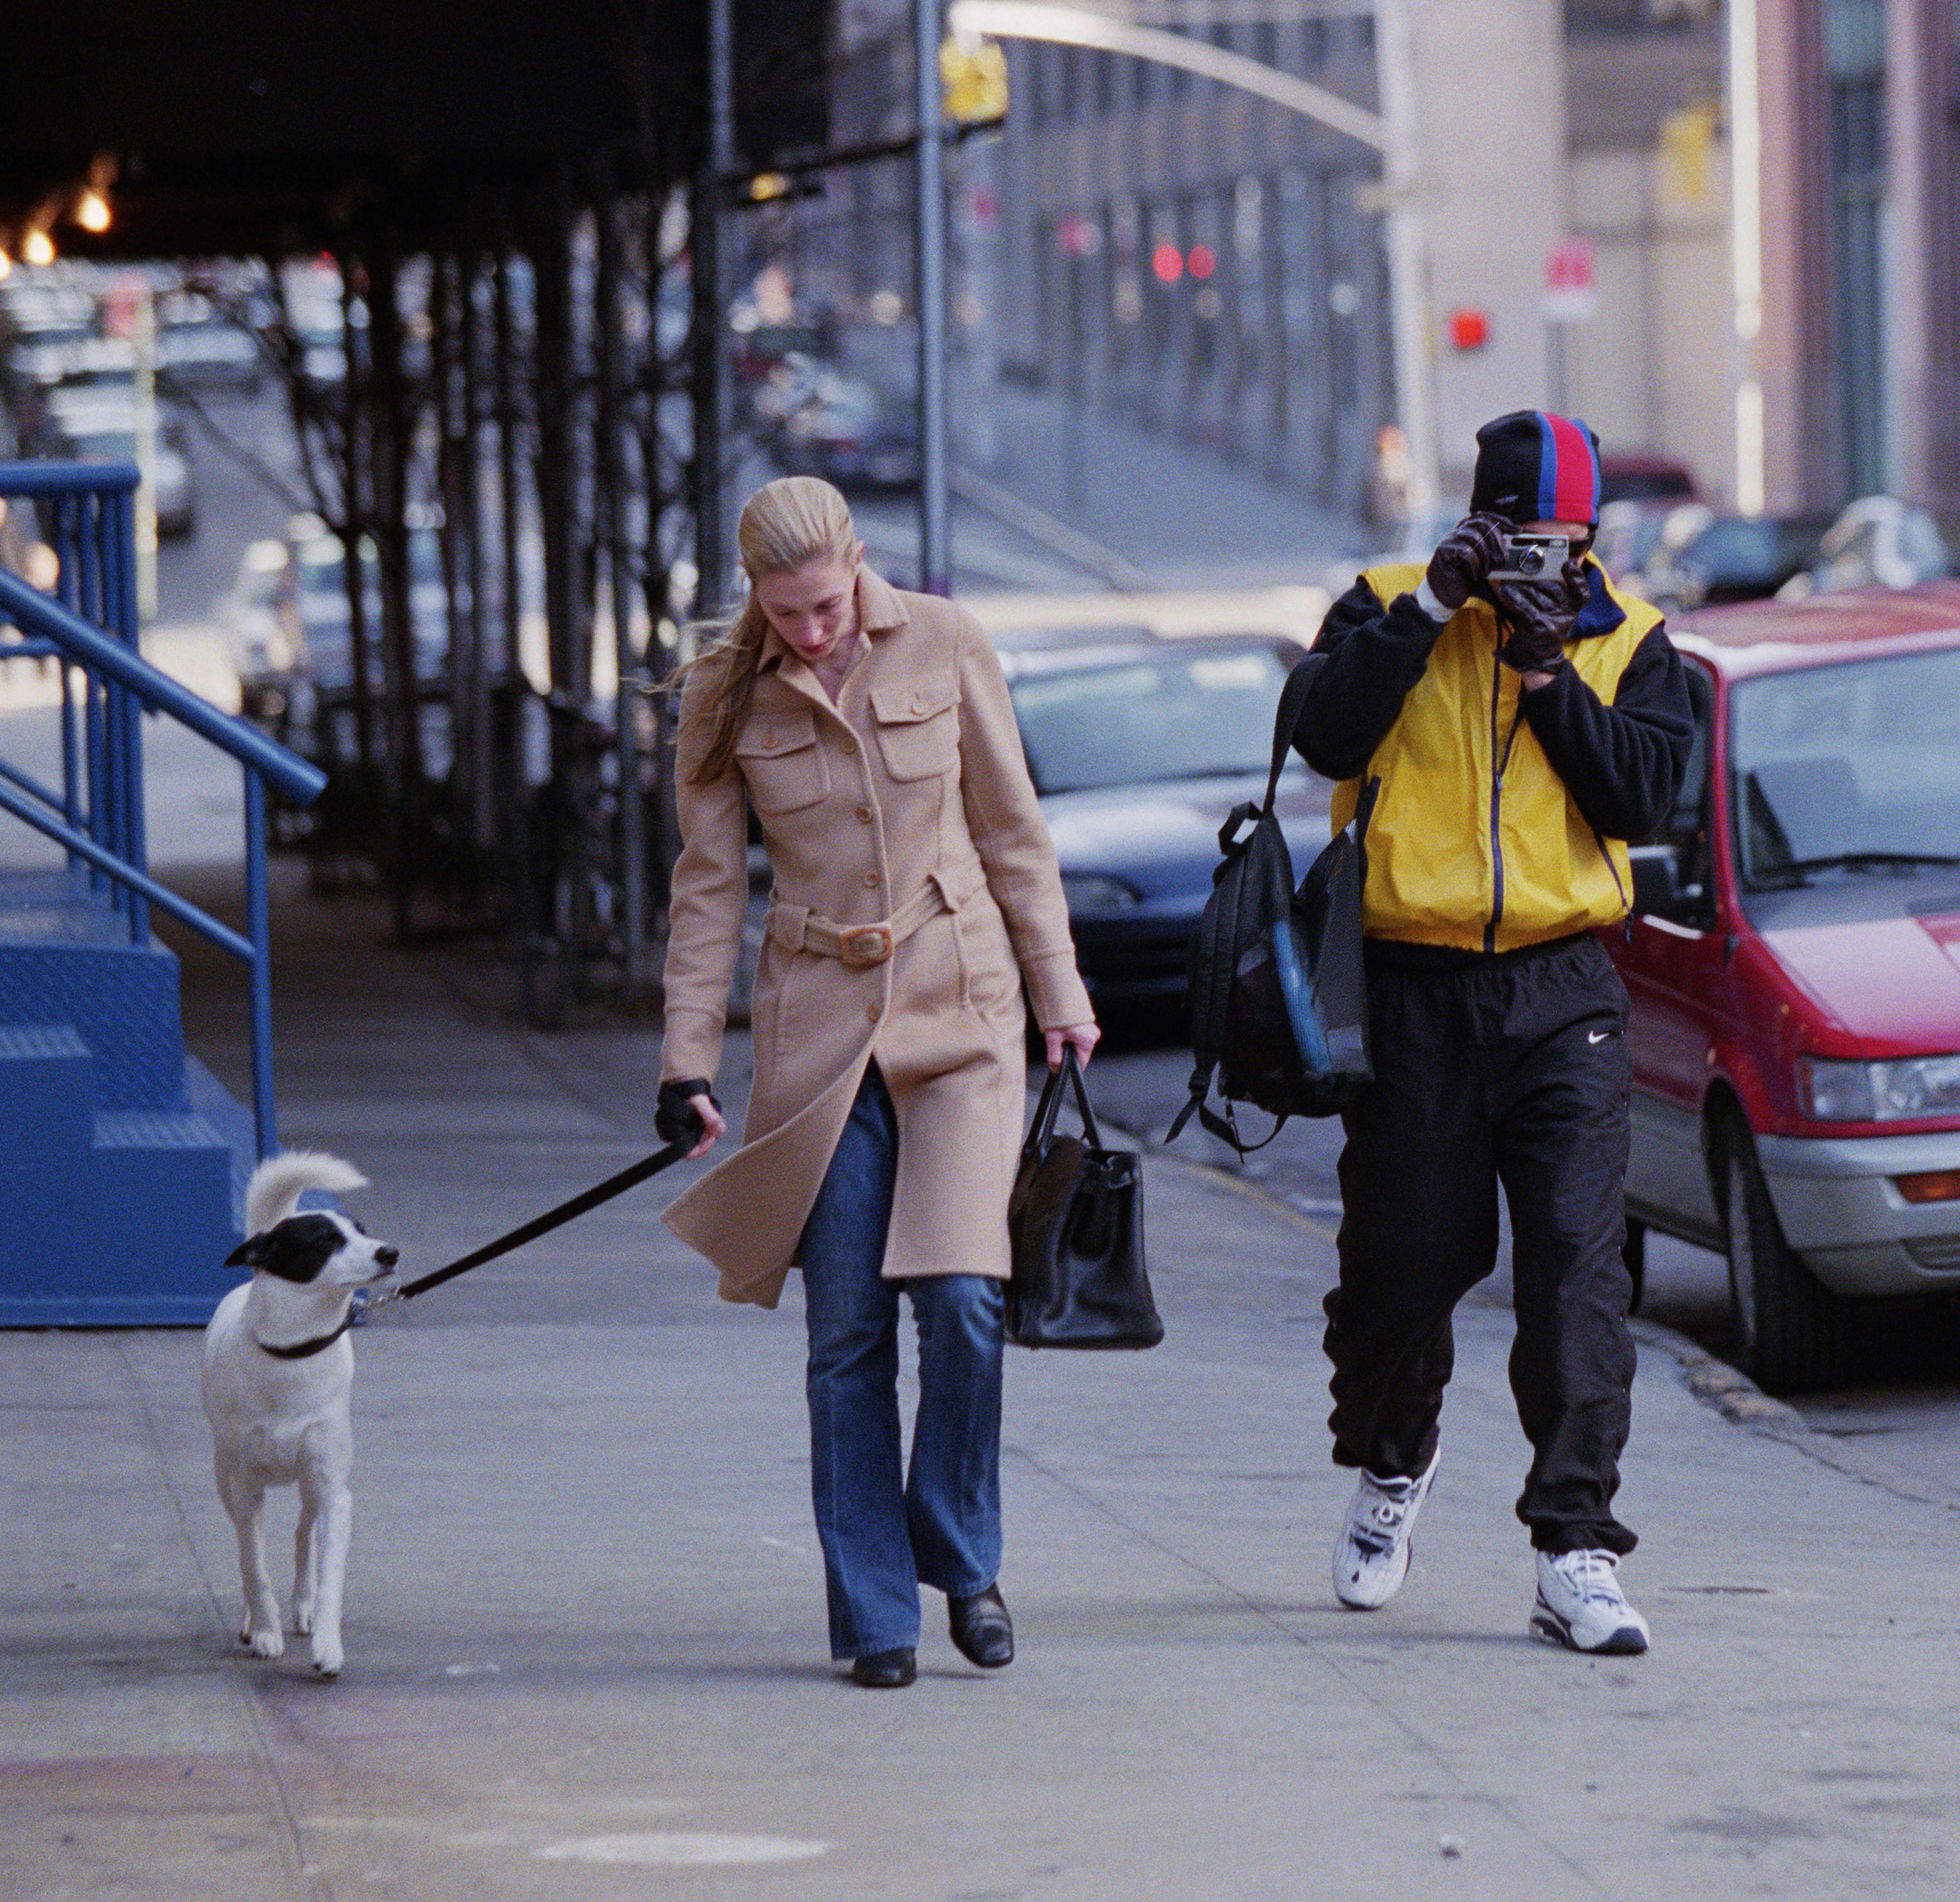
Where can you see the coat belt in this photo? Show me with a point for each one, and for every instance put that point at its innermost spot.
(858, 947)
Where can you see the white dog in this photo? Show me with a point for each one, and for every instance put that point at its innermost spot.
(278, 1375)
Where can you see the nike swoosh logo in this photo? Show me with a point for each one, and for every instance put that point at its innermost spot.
(1597, 1036)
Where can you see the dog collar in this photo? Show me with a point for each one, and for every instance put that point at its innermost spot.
(303, 1349)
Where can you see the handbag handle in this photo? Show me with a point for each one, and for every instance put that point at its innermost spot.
(1046, 1111)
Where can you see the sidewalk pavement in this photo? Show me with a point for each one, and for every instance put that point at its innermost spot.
(585, 1634)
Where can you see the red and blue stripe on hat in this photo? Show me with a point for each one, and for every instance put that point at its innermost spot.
(1568, 478)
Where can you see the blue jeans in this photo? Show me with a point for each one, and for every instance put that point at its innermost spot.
(884, 1535)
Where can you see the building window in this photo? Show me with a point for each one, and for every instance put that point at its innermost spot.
(1855, 48)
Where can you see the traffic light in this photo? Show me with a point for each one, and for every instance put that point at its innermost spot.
(973, 81)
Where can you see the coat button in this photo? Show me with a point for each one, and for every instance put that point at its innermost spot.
(918, 705)
(871, 880)
(769, 738)
(871, 1013)
(847, 745)
(864, 814)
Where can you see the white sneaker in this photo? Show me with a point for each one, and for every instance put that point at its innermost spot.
(1371, 1556)
(1580, 1604)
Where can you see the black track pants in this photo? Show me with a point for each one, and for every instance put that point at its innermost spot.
(1514, 1071)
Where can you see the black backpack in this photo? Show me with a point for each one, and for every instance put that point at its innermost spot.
(1279, 1008)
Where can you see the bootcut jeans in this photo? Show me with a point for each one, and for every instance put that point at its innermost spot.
(885, 1532)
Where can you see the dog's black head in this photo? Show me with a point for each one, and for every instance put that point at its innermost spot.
(313, 1247)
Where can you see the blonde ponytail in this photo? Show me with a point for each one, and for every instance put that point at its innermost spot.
(793, 520)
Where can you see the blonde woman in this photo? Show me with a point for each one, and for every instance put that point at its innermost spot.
(916, 891)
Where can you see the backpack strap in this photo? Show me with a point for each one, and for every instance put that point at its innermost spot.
(1226, 1128)
(1211, 951)
(1286, 719)
(1211, 961)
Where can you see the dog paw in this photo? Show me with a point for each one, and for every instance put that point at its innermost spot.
(326, 1664)
(303, 1620)
(264, 1644)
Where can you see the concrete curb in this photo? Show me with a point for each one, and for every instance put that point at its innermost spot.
(1731, 1392)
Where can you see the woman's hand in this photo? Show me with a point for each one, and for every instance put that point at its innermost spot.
(713, 1123)
(1081, 1038)
(685, 1109)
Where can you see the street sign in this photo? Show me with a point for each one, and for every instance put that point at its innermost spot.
(1571, 294)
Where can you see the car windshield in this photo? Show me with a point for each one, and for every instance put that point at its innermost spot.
(106, 445)
(323, 568)
(1173, 716)
(1847, 772)
(1762, 546)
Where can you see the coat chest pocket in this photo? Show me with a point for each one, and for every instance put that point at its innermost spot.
(918, 726)
(781, 762)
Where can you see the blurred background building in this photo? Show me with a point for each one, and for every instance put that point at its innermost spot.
(1165, 248)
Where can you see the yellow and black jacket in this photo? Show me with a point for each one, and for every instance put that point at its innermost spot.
(1499, 818)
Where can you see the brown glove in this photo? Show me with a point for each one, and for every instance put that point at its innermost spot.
(1540, 616)
(1464, 556)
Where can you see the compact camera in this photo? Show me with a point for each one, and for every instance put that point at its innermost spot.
(1532, 558)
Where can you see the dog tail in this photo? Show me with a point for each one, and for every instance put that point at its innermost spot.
(279, 1181)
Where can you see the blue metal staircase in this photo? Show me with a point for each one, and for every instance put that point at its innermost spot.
(122, 1159)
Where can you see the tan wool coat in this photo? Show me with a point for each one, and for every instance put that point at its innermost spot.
(909, 799)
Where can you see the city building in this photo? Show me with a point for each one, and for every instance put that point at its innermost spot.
(1858, 355)
(1720, 232)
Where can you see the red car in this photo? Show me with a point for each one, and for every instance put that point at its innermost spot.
(1793, 960)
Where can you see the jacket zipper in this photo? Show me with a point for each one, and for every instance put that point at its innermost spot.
(1501, 758)
(1496, 790)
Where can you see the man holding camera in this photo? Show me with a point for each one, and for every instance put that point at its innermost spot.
(1508, 722)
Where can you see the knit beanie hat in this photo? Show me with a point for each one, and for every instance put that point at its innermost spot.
(1533, 466)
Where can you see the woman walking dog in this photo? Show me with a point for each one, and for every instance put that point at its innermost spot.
(916, 889)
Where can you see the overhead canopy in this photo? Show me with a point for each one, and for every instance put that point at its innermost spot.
(238, 126)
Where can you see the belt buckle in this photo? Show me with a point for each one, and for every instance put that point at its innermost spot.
(864, 946)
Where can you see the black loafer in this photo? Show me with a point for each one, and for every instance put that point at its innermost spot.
(886, 1670)
(982, 1628)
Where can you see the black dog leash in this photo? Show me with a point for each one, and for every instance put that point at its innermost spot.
(591, 1198)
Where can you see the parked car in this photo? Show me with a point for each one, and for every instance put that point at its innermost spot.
(798, 380)
(1878, 540)
(100, 426)
(1630, 532)
(84, 363)
(259, 616)
(1140, 746)
(209, 355)
(1639, 475)
(1730, 557)
(1793, 960)
(323, 697)
(853, 435)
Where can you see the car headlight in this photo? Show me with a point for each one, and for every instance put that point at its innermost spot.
(1837, 1091)
(1088, 892)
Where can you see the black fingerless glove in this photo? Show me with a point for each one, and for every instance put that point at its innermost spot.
(1540, 616)
(676, 1119)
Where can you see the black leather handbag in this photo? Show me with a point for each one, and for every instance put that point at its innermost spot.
(1076, 1221)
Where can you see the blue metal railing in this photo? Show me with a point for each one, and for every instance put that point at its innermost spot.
(96, 814)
